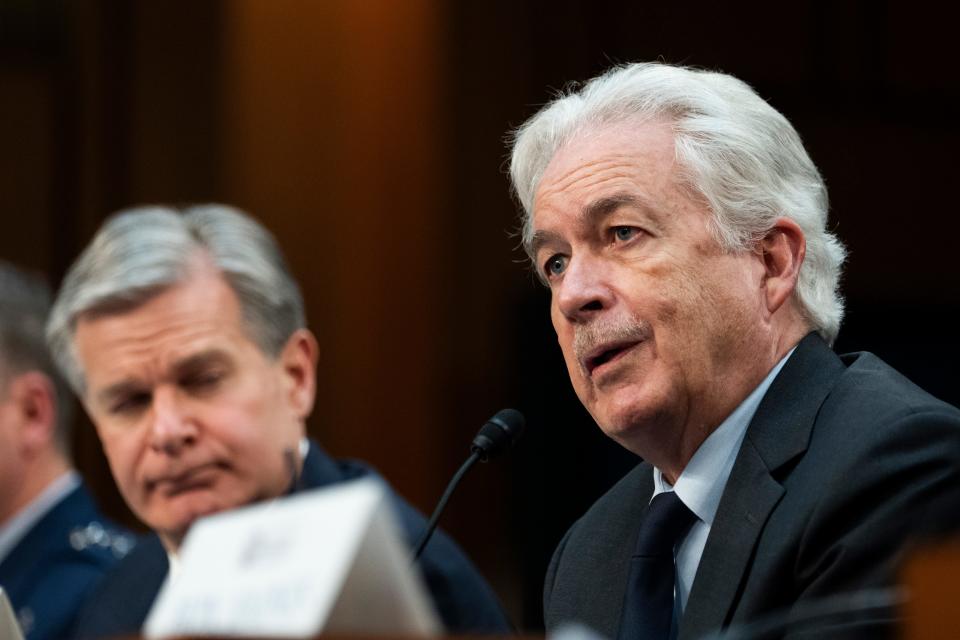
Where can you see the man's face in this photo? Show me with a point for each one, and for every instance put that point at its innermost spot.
(194, 418)
(655, 320)
(11, 462)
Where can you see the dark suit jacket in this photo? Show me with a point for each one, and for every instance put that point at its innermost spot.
(841, 455)
(463, 599)
(48, 574)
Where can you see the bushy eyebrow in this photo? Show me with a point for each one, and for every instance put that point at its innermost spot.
(117, 391)
(539, 239)
(200, 361)
(591, 214)
(187, 365)
(601, 208)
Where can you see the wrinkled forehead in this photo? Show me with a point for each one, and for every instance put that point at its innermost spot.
(604, 158)
(197, 311)
(594, 147)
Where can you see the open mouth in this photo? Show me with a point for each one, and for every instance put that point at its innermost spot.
(606, 354)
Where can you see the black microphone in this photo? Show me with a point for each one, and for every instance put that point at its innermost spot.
(498, 434)
(494, 437)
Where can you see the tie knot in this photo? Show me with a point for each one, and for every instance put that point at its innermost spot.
(667, 520)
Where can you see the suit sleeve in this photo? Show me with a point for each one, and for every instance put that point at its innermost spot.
(551, 578)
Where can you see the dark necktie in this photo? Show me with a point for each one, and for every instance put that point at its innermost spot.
(648, 602)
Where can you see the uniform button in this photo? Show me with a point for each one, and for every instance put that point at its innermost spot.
(78, 539)
(121, 545)
(96, 533)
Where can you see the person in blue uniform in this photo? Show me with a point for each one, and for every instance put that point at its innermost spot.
(54, 543)
(184, 335)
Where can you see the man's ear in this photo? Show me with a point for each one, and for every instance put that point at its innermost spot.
(782, 250)
(299, 362)
(33, 396)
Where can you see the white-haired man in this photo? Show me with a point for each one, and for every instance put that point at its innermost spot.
(184, 335)
(681, 229)
(54, 543)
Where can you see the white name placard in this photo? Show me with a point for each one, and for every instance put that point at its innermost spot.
(9, 629)
(329, 560)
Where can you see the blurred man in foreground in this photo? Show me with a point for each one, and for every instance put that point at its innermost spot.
(54, 544)
(184, 334)
(681, 228)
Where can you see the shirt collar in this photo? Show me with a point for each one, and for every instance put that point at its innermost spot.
(702, 481)
(19, 525)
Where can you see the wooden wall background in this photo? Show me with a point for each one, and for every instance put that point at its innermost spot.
(369, 137)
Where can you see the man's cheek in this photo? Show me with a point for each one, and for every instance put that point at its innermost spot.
(577, 375)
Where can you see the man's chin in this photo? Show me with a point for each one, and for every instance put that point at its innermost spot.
(181, 512)
(630, 425)
(176, 527)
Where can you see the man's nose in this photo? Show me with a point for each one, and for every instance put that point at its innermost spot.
(584, 292)
(173, 428)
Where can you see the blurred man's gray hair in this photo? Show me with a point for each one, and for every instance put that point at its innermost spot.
(24, 305)
(733, 149)
(138, 253)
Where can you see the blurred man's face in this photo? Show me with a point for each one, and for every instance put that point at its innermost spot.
(194, 418)
(11, 463)
(655, 320)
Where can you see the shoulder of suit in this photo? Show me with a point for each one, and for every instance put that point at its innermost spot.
(100, 538)
(624, 501)
(61, 558)
(87, 531)
(882, 391)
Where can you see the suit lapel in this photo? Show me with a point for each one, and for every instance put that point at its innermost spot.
(748, 499)
(319, 470)
(779, 432)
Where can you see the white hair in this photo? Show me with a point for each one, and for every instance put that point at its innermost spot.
(140, 252)
(733, 149)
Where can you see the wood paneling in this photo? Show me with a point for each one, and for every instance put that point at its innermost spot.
(331, 137)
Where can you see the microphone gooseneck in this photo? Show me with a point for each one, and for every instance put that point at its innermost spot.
(432, 523)
(495, 436)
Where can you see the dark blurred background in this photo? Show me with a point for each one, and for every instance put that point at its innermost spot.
(368, 136)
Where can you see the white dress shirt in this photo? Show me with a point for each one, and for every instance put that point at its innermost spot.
(702, 482)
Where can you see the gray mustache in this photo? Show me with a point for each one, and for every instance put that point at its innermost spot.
(588, 337)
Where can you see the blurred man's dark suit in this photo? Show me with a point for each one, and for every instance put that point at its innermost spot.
(842, 453)
(462, 598)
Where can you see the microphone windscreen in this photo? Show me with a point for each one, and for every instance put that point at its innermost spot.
(498, 434)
